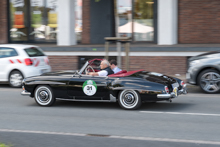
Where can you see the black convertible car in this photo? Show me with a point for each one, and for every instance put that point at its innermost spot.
(130, 88)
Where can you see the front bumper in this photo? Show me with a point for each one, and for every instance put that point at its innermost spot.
(25, 93)
(173, 94)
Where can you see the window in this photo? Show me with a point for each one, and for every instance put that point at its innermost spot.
(7, 52)
(33, 52)
(18, 20)
(134, 18)
(37, 20)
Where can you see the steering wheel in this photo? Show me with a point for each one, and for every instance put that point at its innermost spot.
(87, 69)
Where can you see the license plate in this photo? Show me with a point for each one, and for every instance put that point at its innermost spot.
(175, 85)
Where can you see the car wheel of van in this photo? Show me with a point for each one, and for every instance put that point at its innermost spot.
(15, 79)
(44, 96)
(209, 81)
(129, 99)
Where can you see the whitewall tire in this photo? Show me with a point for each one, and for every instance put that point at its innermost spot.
(129, 99)
(44, 96)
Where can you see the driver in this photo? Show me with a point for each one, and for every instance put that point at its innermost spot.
(105, 69)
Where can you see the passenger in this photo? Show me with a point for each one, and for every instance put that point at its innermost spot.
(105, 69)
(114, 66)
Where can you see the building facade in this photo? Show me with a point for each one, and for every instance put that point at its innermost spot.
(72, 23)
(155, 21)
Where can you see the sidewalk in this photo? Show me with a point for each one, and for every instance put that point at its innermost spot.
(136, 47)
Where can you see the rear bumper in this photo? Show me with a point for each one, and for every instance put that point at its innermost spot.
(172, 94)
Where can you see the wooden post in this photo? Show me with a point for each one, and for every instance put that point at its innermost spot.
(127, 45)
(119, 54)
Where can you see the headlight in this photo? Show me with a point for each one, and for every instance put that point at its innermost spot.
(194, 62)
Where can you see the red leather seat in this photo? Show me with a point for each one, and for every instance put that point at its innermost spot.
(125, 73)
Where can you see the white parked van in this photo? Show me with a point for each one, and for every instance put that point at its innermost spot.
(19, 61)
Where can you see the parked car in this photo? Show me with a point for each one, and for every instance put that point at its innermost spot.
(204, 70)
(130, 88)
(20, 61)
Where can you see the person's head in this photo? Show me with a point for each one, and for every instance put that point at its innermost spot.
(104, 64)
(113, 64)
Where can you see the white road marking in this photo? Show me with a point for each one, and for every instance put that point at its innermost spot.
(179, 113)
(118, 137)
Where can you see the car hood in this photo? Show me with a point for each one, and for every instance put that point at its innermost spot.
(60, 73)
(205, 55)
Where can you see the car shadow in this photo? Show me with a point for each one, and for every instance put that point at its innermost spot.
(148, 106)
(93, 105)
(165, 106)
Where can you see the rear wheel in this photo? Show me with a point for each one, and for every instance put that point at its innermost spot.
(44, 96)
(15, 79)
(209, 81)
(129, 99)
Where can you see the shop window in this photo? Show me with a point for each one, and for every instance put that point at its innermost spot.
(43, 20)
(18, 24)
(134, 18)
(37, 20)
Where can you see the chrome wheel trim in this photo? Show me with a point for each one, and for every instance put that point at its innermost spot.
(210, 82)
(43, 95)
(128, 99)
(16, 79)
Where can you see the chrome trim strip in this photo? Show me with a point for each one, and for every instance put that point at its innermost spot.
(101, 84)
(45, 82)
(83, 100)
(25, 93)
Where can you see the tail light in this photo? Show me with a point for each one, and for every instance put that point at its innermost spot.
(167, 89)
(182, 83)
(28, 61)
(46, 61)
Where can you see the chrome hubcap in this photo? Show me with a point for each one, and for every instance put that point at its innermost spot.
(16, 79)
(43, 95)
(210, 82)
(128, 99)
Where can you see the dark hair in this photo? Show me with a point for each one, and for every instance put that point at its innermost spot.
(113, 62)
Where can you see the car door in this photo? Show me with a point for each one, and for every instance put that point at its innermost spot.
(6, 58)
(86, 87)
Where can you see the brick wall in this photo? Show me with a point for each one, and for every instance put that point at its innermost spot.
(162, 64)
(166, 65)
(199, 21)
(86, 22)
(3, 22)
(63, 62)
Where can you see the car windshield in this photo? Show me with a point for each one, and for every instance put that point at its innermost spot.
(84, 67)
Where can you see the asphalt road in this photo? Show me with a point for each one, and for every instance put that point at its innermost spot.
(190, 120)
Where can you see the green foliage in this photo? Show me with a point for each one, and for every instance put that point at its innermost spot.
(4, 145)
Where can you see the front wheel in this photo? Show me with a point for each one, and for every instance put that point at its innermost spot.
(44, 96)
(129, 99)
(209, 81)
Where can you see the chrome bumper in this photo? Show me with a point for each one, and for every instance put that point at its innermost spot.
(172, 94)
(25, 93)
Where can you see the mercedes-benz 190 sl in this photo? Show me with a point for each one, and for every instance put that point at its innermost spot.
(129, 88)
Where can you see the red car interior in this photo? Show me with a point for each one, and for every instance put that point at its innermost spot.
(124, 73)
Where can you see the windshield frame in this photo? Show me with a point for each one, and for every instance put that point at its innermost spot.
(84, 67)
